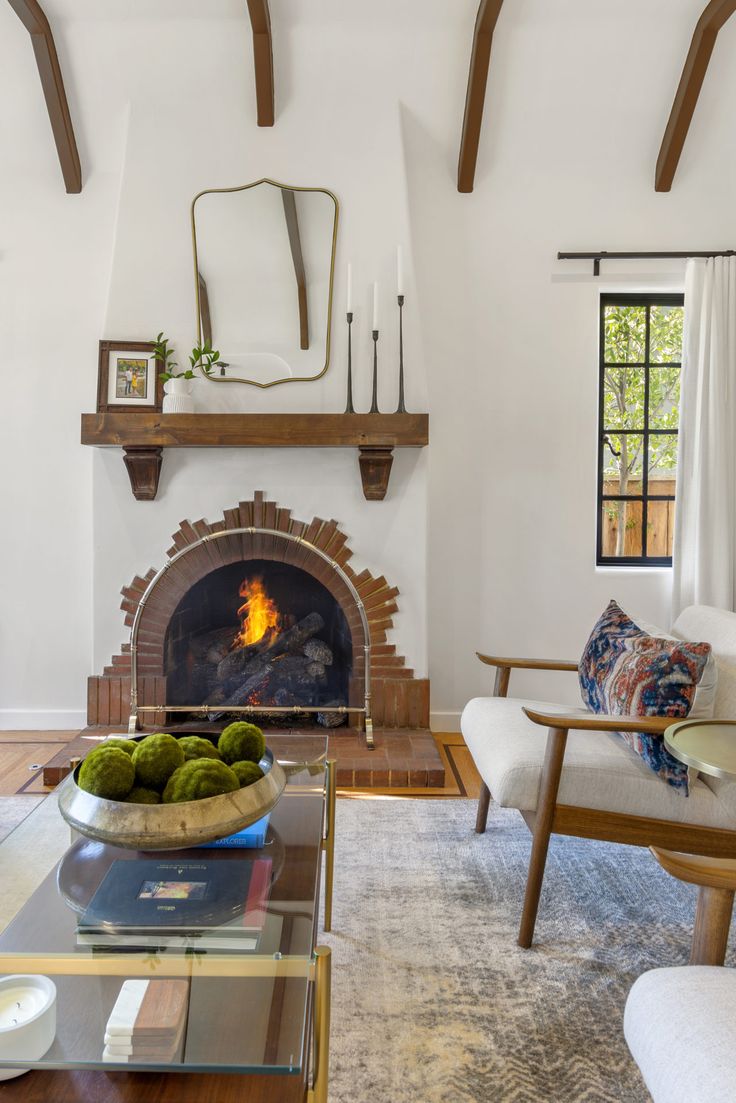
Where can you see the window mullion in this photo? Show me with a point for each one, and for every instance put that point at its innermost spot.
(645, 442)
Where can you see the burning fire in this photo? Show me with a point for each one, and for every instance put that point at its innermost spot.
(258, 613)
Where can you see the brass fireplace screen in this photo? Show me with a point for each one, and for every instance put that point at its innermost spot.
(362, 710)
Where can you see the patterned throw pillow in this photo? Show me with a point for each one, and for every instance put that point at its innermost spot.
(623, 671)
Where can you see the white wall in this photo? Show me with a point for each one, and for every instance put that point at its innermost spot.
(490, 533)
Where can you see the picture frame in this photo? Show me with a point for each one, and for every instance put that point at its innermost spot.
(128, 378)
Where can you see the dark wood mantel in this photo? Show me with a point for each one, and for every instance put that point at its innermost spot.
(143, 436)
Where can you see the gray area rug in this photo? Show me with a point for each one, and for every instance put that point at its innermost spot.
(433, 1001)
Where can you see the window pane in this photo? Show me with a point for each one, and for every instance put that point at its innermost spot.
(623, 398)
(621, 529)
(660, 527)
(662, 463)
(665, 334)
(622, 473)
(625, 330)
(664, 398)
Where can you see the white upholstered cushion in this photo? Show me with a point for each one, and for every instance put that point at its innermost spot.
(600, 771)
(718, 628)
(680, 1025)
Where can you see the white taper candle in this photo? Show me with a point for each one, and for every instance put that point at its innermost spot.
(399, 272)
(349, 306)
(375, 305)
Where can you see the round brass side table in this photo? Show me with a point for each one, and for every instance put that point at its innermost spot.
(710, 747)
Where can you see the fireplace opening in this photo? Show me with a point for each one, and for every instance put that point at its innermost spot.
(258, 632)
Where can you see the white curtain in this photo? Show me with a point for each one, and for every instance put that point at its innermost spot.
(704, 556)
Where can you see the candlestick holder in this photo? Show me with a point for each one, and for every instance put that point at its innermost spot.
(401, 408)
(374, 404)
(350, 409)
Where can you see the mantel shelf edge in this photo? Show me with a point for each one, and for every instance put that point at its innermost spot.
(143, 436)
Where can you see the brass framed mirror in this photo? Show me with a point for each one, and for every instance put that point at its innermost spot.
(264, 266)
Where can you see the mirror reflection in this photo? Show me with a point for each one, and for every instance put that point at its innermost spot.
(264, 259)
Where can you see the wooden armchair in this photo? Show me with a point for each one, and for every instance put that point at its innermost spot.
(585, 781)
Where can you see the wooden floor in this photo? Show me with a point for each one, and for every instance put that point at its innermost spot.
(23, 755)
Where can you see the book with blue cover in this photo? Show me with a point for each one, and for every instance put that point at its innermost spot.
(211, 904)
(252, 837)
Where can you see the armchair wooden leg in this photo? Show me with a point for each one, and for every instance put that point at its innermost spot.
(484, 800)
(553, 758)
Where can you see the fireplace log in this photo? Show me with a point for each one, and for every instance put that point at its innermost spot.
(331, 719)
(293, 639)
(233, 668)
(319, 651)
(243, 695)
(286, 677)
(215, 645)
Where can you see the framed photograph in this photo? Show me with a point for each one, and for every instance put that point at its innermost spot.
(127, 378)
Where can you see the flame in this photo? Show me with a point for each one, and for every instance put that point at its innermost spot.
(258, 613)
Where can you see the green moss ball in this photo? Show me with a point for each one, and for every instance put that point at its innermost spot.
(107, 772)
(124, 745)
(199, 778)
(247, 772)
(241, 742)
(155, 759)
(196, 747)
(141, 795)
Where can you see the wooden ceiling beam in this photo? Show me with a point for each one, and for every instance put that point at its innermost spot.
(34, 20)
(480, 57)
(715, 14)
(260, 21)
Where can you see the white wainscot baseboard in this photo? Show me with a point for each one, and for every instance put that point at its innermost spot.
(444, 721)
(42, 719)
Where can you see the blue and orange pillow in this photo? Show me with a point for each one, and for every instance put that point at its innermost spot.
(625, 671)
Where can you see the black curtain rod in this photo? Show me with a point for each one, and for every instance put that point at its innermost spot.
(604, 255)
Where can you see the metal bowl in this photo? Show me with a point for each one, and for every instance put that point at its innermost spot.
(170, 826)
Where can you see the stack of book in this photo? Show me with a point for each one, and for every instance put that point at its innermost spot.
(203, 903)
(147, 1023)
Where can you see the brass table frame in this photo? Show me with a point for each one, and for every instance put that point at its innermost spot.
(318, 968)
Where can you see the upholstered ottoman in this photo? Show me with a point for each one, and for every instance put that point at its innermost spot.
(680, 1025)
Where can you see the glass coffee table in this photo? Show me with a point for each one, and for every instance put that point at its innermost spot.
(250, 1016)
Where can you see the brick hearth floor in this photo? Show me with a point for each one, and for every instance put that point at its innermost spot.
(401, 758)
(24, 756)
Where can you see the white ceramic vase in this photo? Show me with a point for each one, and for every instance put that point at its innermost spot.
(178, 396)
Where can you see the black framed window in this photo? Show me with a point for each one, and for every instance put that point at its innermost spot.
(638, 413)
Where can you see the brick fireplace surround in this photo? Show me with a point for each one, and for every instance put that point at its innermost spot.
(405, 753)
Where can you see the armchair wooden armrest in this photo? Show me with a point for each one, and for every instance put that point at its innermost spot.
(581, 720)
(528, 664)
(505, 666)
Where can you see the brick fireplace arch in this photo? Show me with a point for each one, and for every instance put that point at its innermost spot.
(399, 700)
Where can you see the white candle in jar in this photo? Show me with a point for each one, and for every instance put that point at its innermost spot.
(18, 1005)
(27, 1020)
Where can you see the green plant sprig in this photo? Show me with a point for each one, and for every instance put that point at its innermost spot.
(205, 358)
(202, 357)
